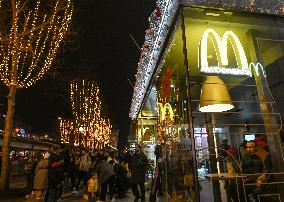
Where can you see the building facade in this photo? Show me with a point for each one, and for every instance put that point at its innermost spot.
(209, 80)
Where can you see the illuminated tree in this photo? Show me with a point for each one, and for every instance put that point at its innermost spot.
(87, 110)
(30, 36)
(66, 128)
(86, 106)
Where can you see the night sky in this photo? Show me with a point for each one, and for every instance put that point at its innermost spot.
(100, 49)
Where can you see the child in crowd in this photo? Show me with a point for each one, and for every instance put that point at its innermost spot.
(93, 187)
(188, 184)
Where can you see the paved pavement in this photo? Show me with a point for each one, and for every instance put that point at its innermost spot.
(20, 182)
(75, 198)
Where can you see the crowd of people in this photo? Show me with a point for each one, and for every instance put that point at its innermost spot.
(100, 175)
(96, 175)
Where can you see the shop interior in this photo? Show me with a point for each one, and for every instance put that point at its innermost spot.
(190, 78)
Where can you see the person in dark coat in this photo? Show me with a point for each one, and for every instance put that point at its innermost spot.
(106, 177)
(121, 181)
(138, 168)
(252, 164)
(55, 175)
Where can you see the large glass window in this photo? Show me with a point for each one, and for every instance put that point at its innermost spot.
(236, 72)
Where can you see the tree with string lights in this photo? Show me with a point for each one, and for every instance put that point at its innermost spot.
(86, 107)
(66, 129)
(31, 33)
(87, 110)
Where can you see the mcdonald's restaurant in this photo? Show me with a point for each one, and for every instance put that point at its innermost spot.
(209, 95)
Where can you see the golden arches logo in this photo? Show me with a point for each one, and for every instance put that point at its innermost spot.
(220, 45)
(163, 111)
(258, 68)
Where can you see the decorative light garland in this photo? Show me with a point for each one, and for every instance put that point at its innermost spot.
(160, 21)
(86, 108)
(86, 104)
(255, 6)
(66, 128)
(29, 44)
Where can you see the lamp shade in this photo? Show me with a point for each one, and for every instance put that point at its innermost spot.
(215, 96)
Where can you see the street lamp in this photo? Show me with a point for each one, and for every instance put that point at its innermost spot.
(81, 129)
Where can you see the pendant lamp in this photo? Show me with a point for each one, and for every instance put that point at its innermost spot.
(215, 96)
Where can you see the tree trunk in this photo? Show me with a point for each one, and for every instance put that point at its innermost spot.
(7, 137)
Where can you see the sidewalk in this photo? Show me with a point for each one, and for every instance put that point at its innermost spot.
(75, 198)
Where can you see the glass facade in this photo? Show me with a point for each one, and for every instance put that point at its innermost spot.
(215, 108)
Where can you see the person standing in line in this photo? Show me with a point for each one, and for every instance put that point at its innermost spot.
(138, 168)
(41, 177)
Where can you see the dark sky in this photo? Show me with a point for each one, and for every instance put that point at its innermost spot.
(101, 50)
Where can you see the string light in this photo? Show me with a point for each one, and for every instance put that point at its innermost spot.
(66, 128)
(155, 36)
(87, 108)
(30, 43)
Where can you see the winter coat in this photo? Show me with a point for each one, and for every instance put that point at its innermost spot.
(55, 171)
(138, 167)
(93, 185)
(252, 164)
(104, 170)
(41, 175)
(85, 163)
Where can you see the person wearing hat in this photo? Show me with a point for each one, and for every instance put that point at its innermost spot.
(41, 177)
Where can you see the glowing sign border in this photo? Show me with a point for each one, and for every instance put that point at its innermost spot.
(220, 46)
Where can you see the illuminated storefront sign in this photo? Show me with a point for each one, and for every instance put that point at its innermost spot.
(165, 111)
(220, 46)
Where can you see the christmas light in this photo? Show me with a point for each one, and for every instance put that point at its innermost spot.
(87, 108)
(30, 42)
(159, 21)
(66, 128)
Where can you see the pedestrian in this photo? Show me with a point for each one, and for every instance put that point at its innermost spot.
(41, 177)
(30, 168)
(93, 187)
(138, 167)
(84, 166)
(121, 181)
(55, 176)
(106, 177)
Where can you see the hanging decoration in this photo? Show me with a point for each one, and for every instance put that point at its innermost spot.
(66, 128)
(155, 36)
(91, 128)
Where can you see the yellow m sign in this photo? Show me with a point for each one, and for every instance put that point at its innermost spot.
(165, 111)
(220, 45)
